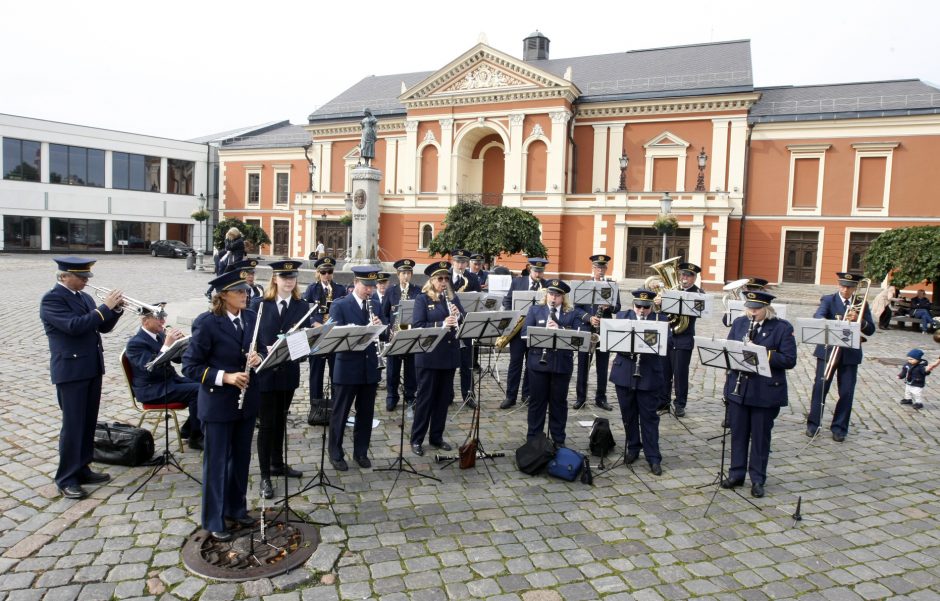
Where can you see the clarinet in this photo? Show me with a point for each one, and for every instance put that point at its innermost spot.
(543, 360)
(450, 309)
(743, 377)
(371, 321)
(639, 357)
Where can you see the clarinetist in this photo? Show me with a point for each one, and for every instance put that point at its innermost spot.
(638, 379)
(754, 401)
(399, 369)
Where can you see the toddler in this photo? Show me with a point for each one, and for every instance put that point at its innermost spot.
(914, 372)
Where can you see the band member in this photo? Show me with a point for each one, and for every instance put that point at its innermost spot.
(753, 285)
(324, 291)
(476, 268)
(680, 346)
(283, 310)
(638, 379)
(381, 287)
(219, 357)
(517, 347)
(74, 326)
(835, 306)
(163, 385)
(391, 305)
(435, 307)
(463, 280)
(248, 266)
(550, 370)
(357, 373)
(754, 401)
(597, 312)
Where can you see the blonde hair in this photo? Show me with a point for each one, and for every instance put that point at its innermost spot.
(232, 233)
(270, 292)
(565, 303)
(217, 306)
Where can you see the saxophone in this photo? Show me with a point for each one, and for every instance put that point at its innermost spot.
(329, 298)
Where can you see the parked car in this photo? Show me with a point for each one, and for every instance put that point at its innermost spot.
(170, 248)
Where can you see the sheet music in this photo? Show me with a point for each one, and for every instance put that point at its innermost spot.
(171, 353)
(297, 345)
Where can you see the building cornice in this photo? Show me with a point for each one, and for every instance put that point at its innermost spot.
(353, 128)
(698, 104)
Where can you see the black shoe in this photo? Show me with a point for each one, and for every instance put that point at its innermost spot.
(579, 403)
(94, 478)
(656, 469)
(631, 456)
(223, 536)
(906, 401)
(729, 483)
(838, 437)
(757, 490)
(507, 403)
(390, 405)
(679, 411)
(339, 464)
(363, 462)
(73, 492)
(442, 446)
(417, 449)
(811, 431)
(244, 521)
(471, 403)
(196, 444)
(603, 404)
(286, 471)
(267, 489)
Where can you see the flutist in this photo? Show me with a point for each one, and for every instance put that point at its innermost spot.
(550, 370)
(754, 401)
(219, 357)
(638, 379)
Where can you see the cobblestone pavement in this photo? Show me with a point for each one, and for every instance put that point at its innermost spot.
(873, 500)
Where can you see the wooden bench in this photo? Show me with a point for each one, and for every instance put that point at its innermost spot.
(903, 320)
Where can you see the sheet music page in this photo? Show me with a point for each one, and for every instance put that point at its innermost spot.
(297, 345)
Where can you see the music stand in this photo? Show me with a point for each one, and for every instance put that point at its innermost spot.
(746, 359)
(688, 304)
(590, 292)
(291, 347)
(167, 459)
(404, 343)
(833, 335)
(476, 328)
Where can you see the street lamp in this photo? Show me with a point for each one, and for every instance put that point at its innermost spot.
(200, 255)
(665, 205)
(348, 206)
(624, 161)
(311, 167)
(700, 182)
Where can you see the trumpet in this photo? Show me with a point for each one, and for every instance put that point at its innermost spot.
(134, 305)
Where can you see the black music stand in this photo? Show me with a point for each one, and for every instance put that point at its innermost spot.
(292, 347)
(167, 459)
(685, 304)
(746, 359)
(405, 343)
(833, 335)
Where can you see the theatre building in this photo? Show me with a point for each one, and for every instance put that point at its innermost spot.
(787, 183)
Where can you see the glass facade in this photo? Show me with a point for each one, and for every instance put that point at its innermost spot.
(135, 172)
(139, 234)
(21, 160)
(76, 234)
(76, 166)
(180, 176)
(20, 233)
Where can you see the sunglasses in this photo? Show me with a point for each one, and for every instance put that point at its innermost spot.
(442, 278)
(326, 271)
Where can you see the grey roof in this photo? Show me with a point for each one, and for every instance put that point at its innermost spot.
(285, 135)
(712, 68)
(846, 101)
(221, 137)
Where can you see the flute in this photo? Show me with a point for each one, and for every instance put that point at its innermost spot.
(254, 343)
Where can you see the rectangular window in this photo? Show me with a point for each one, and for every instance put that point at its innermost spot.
(858, 246)
(871, 182)
(871, 189)
(283, 188)
(22, 232)
(139, 234)
(21, 160)
(135, 172)
(76, 234)
(254, 189)
(180, 176)
(805, 183)
(807, 174)
(665, 171)
(76, 166)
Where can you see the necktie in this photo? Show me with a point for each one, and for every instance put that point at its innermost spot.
(283, 306)
(160, 339)
(238, 327)
(535, 285)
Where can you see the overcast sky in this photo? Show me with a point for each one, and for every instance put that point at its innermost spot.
(186, 69)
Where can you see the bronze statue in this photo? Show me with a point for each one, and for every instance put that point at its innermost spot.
(367, 142)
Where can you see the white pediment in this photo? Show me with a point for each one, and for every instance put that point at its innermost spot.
(352, 155)
(666, 140)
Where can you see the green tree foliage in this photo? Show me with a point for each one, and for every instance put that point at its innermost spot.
(912, 252)
(493, 231)
(253, 235)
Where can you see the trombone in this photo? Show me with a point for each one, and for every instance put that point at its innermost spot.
(136, 306)
(857, 303)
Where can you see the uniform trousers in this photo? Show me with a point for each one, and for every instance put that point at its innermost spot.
(399, 368)
(750, 427)
(516, 369)
(601, 362)
(549, 391)
(677, 375)
(435, 393)
(225, 462)
(363, 396)
(466, 372)
(79, 402)
(640, 421)
(272, 424)
(318, 365)
(845, 378)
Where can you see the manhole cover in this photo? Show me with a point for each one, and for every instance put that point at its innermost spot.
(249, 556)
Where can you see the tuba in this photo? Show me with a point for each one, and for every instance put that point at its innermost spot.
(667, 279)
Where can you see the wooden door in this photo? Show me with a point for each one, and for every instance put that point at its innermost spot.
(645, 247)
(799, 257)
(335, 238)
(281, 242)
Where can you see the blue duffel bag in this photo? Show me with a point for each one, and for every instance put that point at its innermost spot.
(566, 465)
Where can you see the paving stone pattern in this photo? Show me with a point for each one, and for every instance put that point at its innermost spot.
(870, 504)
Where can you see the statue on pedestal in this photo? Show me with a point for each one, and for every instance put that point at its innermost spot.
(367, 141)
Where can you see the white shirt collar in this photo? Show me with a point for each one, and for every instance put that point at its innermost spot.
(152, 335)
(233, 317)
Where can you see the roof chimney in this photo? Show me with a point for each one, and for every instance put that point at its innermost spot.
(535, 47)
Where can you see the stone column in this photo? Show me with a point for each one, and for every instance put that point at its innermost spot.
(365, 217)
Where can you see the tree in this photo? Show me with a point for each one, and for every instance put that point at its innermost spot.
(253, 235)
(910, 254)
(493, 231)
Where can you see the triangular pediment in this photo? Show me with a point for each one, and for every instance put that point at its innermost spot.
(666, 139)
(352, 154)
(484, 70)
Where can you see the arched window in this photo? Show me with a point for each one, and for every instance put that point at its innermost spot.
(427, 234)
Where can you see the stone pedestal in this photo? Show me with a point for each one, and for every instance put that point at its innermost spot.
(365, 217)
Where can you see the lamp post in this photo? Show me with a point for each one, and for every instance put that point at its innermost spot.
(311, 167)
(665, 205)
(348, 205)
(702, 160)
(200, 253)
(624, 161)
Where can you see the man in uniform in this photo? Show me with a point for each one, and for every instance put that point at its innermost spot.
(462, 280)
(476, 268)
(681, 345)
(517, 346)
(74, 326)
(597, 312)
(325, 291)
(391, 305)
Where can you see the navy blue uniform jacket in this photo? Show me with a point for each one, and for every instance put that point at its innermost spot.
(651, 367)
(73, 325)
(518, 284)
(215, 347)
(466, 282)
(831, 306)
(758, 391)
(360, 367)
(150, 386)
(557, 362)
(285, 376)
(393, 299)
(431, 314)
(316, 292)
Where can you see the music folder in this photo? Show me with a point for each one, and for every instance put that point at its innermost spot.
(829, 332)
(487, 325)
(733, 355)
(691, 304)
(523, 300)
(176, 350)
(345, 339)
(559, 339)
(590, 292)
(285, 349)
(414, 341)
(634, 336)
